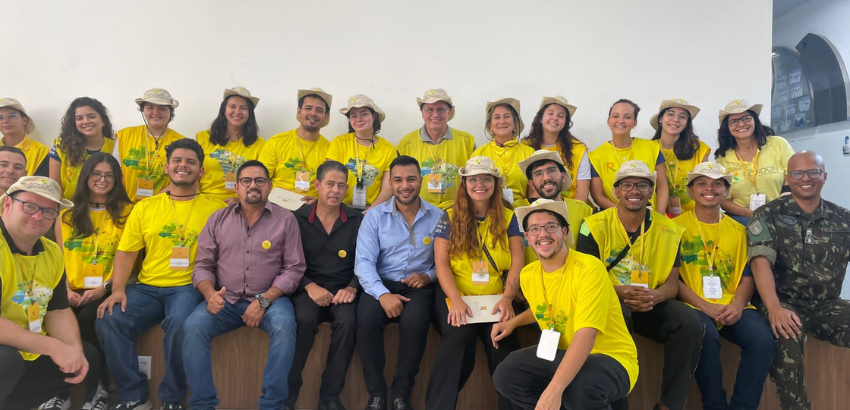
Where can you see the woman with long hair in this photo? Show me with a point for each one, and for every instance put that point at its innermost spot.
(756, 158)
(474, 243)
(550, 130)
(606, 159)
(88, 235)
(682, 150)
(86, 130)
(232, 139)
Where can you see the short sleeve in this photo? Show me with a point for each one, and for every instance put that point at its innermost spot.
(59, 300)
(584, 168)
(54, 154)
(586, 243)
(513, 227)
(593, 297)
(660, 160)
(132, 239)
(593, 173)
(444, 227)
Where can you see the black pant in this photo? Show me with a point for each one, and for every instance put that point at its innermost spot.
(26, 384)
(456, 357)
(523, 377)
(308, 315)
(413, 325)
(680, 330)
(86, 316)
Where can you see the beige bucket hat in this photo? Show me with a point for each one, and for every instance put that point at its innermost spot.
(674, 103)
(558, 207)
(241, 92)
(712, 170)
(158, 96)
(478, 166)
(634, 168)
(359, 101)
(41, 186)
(514, 103)
(435, 95)
(560, 100)
(13, 103)
(329, 99)
(737, 107)
(545, 155)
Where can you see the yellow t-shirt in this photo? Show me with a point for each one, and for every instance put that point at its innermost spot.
(677, 174)
(606, 160)
(580, 296)
(374, 161)
(69, 175)
(28, 281)
(578, 151)
(654, 252)
(285, 154)
(772, 161)
(507, 158)
(462, 267)
(442, 160)
(153, 226)
(34, 151)
(99, 247)
(224, 159)
(730, 256)
(576, 210)
(142, 156)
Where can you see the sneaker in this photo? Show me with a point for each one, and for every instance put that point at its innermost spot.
(100, 401)
(172, 406)
(56, 403)
(133, 405)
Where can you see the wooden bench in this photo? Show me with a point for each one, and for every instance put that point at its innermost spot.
(240, 356)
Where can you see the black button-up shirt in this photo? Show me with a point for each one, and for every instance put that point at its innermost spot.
(330, 257)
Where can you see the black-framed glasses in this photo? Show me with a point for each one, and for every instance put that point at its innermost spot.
(259, 181)
(743, 120)
(535, 230)
(97, 175)
(641, 186)
(30, 208)
(438, 110)
(812, 173)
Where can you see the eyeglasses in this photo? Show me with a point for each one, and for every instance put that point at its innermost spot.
(439, 110)
(97, 175)
(259, 181)
(812, 173)
(32, 209)
(551, 171)
(10, 116)
(535, 230)
(744, 120)
(626, 186)
(488, 180)
(670, 114)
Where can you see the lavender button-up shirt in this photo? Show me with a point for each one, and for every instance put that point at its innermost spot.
(249, 261)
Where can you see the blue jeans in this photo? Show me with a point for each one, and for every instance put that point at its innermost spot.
(147, 306)
(753, 335)
(202, 326)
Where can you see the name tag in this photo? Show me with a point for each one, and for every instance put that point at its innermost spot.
(302, 181)
(435, 183)
(640, 277)
(358, 198)
(711, 287)
(675, 206)
(757, 200)
(480, 272)
(34, 318)
(230, 181)
(508, 194)
(92, 275)
(548, 346)
(144, 188)
(179, 258)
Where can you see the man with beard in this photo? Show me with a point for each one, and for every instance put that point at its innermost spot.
(292, 157)
(329, 289)
(640, 249)
(799, 249)
(395, 266)
(249, 260)
(166, 226)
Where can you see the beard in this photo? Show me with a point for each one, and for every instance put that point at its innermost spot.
(254, 199)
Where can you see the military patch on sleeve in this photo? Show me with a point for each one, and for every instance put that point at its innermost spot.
(755, 227)
(757, 231)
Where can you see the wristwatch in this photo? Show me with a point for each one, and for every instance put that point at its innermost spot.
(264, 302)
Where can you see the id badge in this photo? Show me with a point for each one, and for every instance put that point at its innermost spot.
(548, 346)
(92, 275)
(34, 318)
(435, 183)
(757, 200)
(508, 194)
(144, 189)
(230, 181)
(358, 198)
(302, 181)
(480, 272)
(675, 206)
(179, 258)
(711, 287)
(640, 277)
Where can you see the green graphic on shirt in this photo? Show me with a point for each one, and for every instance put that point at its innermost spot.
(85, 247)
(694, 255)
(297, 165)
(170, 231)
(448, 171)
(228, 161)
(623, 270)
(136, 161)
(369, 171)
(559, 322)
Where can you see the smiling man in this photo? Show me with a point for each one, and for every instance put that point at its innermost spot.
(16, 125)
(13, 166)
(799, 250)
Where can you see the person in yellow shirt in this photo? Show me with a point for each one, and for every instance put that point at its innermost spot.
(16, 125)
(550, 130)
(607, 158)
(13, 166)
(640, 248)
(366, 155)
(166, 226)
(586, 358)
(718, 282)
(756, 158)
(86, 130)
(232, 139)
(440, 149)
(141, 150)
(292, 157)
(682, 150)
(88, 235)
(503, 125)
(477, 251)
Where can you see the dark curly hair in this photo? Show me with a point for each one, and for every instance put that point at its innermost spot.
(71, 141)
(565, 138)
(725, 140)
(250, 130)
(687, 145)
(116, 200)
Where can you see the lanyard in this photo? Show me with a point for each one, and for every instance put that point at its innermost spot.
(673, 179)
(549, 306)
(513, 143)
(181, 229)
(358, 164)
(625, 235)
(628, 150)
(746, 170)
(148, 160)
(431, 152)
(301, 151)
(710, 255)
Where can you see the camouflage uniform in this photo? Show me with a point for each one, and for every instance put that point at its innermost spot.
(809, 255)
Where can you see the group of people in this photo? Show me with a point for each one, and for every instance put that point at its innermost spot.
(157, 228)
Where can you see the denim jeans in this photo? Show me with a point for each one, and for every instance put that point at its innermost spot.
(147, 306)
(202, 326)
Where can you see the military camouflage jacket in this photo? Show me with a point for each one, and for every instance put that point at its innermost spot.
(809, 252)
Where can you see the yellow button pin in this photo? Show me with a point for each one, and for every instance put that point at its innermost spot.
(267, 244)
(342, 253)
(426, 240)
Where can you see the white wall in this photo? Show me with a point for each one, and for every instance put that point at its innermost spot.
(591, 52)
(827, 18)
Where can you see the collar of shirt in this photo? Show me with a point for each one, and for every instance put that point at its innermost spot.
(266, 207)
(344, 212)
(423, 133)
(389, 207)
(819, 213)
(36, 249)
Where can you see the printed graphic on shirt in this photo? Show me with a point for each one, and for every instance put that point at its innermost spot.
(170, 231)
(448, 171)
(228, 161)
(106, 247)
(40, 295)
(297, 165)
(624, 268)
(559, 322)
(136, 161)
(693, 253)
(369, 171)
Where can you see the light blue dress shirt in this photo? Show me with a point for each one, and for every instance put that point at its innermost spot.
(390, 249)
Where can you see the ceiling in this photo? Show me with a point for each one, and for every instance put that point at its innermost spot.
(782, 7)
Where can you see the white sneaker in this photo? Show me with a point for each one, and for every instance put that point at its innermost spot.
(133, 405)
(56, 403)
(100, 400)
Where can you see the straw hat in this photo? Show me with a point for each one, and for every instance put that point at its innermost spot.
(321, 94)
(737, 107)
(435, 95)
(560, 100)
(545, 155)
(542, 204)
(514, 103)
(13, 103)
(157, 96)
(41, 186)
(478, 166)
(712, 170)
(360, 101)
(674, 103)
(241, 92)
(634, 168)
